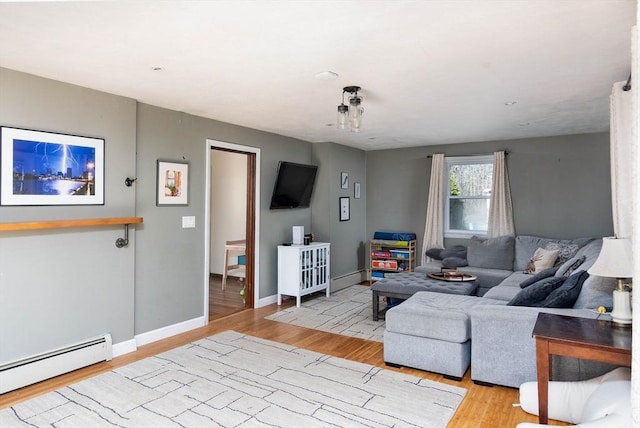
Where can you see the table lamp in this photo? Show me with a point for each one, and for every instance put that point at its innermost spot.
(615, 261)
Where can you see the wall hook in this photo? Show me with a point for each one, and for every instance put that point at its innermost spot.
(129, 181)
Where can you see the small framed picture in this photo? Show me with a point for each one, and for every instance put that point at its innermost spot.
(172, 183)
(356, 190)
(344, 180)
(344, 208)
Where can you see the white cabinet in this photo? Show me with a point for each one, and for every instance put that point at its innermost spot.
(303, 269)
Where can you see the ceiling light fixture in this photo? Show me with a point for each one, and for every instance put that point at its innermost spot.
(352, 113)
(326, 75)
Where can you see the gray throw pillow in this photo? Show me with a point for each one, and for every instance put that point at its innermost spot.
(567, 294)
(459, 251)
(537, 277)
(434, 253)
(536, 293)
(568, 268)
(493, 253)
(454, 262)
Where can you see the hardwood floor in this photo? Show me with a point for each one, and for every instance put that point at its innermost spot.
(482, 407)
(224, 302)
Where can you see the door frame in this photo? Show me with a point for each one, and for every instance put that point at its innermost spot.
(213, 145)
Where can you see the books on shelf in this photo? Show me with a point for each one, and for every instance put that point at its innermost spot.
(381, 254)
(401, 254)
(385, 264)
(389, 243)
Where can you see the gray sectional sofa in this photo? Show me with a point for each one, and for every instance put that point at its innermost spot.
(448, 333)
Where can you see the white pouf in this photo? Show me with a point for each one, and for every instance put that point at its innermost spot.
(604, 401)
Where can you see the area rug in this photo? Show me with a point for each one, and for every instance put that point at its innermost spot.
(235, 380)
(347, 312)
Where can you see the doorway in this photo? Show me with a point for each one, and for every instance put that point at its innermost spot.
(231, 217)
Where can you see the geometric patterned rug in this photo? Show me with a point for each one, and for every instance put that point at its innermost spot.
(347, 312)
(235, 380)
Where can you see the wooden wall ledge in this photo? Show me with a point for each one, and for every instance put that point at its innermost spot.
(58, 224)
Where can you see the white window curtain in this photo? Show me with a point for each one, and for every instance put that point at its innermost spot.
(500, 208)
(634, 175)
(434, 226)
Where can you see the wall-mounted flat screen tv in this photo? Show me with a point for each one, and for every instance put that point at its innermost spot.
(294, 185)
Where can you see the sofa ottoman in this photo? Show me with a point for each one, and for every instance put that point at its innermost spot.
(406, 284)
(436, 339)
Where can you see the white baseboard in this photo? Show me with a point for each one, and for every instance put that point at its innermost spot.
(170, 330)
(266, 301)
(125, 347)
(347, 280)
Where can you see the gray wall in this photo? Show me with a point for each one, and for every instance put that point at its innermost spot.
(345, 236)
(560, 186)
(61, 286)
(169, 259)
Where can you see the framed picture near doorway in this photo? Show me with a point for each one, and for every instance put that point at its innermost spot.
(172, 183)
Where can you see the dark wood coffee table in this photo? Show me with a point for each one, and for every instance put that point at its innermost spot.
(585, 338)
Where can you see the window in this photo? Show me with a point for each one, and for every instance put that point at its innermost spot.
(468, 195)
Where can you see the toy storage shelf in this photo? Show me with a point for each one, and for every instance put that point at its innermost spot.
(389, 256)
(303, 269)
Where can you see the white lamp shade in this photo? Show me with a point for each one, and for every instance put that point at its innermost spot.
(615, 259)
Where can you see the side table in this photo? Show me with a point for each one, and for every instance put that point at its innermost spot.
(585, 338)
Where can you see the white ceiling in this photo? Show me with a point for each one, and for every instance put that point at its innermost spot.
(432, 72)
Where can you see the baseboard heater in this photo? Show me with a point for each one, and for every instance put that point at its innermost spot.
(344, 281)
(26, 371)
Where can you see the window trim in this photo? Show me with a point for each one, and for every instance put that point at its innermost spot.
(461, 160)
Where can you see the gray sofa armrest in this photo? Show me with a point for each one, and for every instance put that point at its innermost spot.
(503, 351)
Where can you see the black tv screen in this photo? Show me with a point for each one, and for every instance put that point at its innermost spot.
(294, 185)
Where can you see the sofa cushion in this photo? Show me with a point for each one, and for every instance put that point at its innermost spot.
(565, 251)
(566, 295)
(493, 253)
(542, 259)
(590, 252)
(596, 291)
(435, 316)
(567, 269)
(506, 291)
(525, 246)
(546, 273)
(536, 293)
(454, 262)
